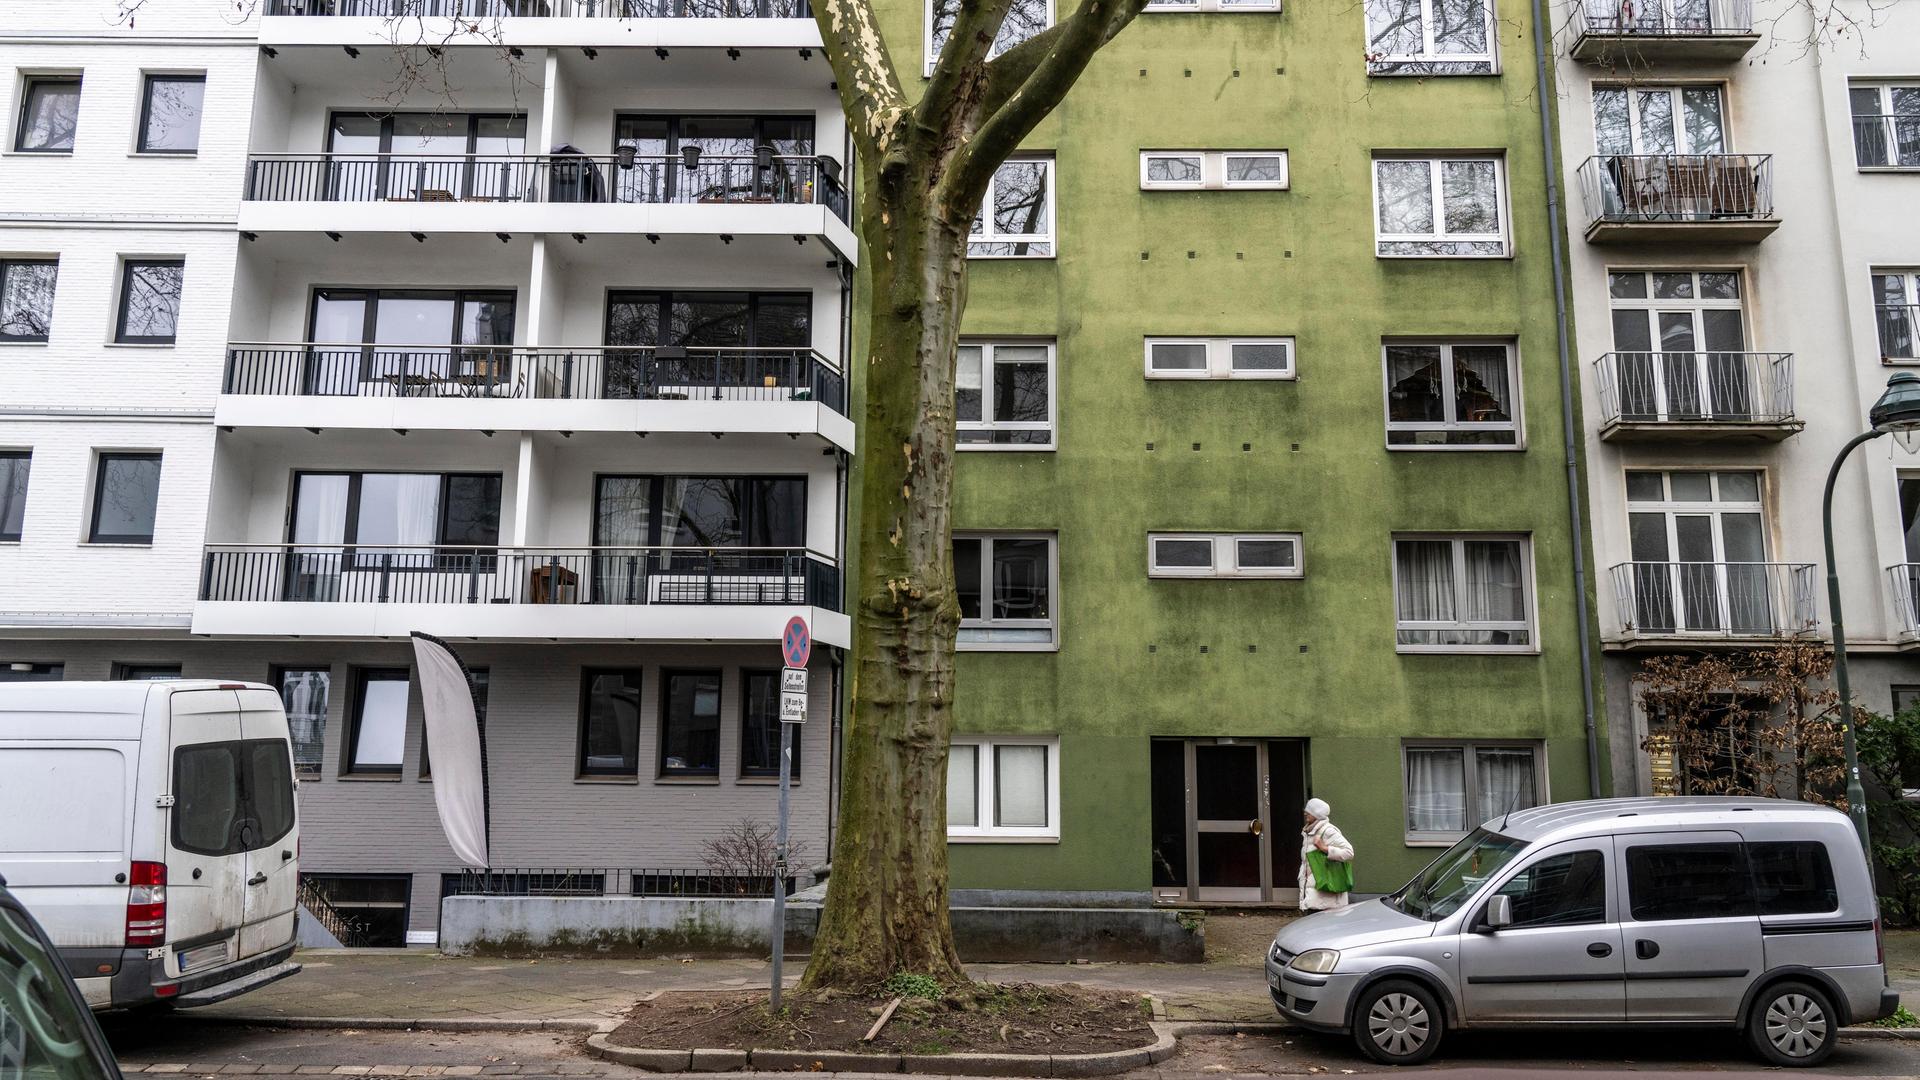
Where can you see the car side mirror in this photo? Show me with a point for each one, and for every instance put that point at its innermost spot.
(1499, 914)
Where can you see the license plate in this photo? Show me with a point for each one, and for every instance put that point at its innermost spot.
(202, 956)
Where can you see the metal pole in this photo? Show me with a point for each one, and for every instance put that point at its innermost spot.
(1856, 792)
(780, 863)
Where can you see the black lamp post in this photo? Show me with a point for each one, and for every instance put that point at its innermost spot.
(1898, 412)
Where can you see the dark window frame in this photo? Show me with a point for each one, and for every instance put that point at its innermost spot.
(6, 267)
(667, 675)
(94, 535)
(350, 537)
(386, 154)
(1743, 906)
(36, 671)
(747, 675)
(127, 269)
(13, 536)
(663, 305)
(147, 84)
(356, 721)
(370, 316)
(656, 490)
(276, 676)
(587, 676)
(27, 86)
(135, 671)
(243, 797)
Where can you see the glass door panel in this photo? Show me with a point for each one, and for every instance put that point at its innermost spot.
(1228, 793)
(354, 166)
(1749, 601)
(1654, 589)
(339, 318)
(438, 143)
(406, 328)
(498, 144)
(1699, 574)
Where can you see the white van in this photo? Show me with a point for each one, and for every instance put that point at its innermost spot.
(150, 828)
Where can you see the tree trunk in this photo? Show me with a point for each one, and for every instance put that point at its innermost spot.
(886, 907)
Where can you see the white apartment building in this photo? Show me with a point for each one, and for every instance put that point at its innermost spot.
(1743, 250)
(517, 322)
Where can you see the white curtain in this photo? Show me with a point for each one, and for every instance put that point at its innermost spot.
(398, 510)
(1502, 778)
(963, 787)
(1020, 786)
(1436, 790)
(381, 735)
(320, 512)
(1425, 571)
(1493, 582)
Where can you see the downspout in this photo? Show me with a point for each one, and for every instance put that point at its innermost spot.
(1549, 152)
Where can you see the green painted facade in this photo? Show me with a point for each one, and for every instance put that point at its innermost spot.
(1307, 455)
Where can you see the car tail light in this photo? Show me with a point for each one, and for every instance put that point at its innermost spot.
(147, 905)
(166, 991)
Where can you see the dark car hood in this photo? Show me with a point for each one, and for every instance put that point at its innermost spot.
(1366, 923)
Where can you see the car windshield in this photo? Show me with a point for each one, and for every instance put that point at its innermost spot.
(42, 1029)
(1443, 886)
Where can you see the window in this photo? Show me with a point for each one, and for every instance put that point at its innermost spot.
(1430, 37)
(14, 467)
(1453, 788)
(690, 723)
(1896, 313)
(26, 298)
(231, 797)
(1886, 125)
(1218, 555)
(1003, 395)
(1680, 341)
(1440, 207)
(126, 494)
(304, 693)
(610, 722)
(704, 512)
(1006, 586)
(371, 521)
(760, 726)
(479, 682)
(1213, 5)
(1016, 218)
(1024, 19)
(1792, 878)
(422, 338)
(379, 735)
(374, 905)
(1175, 170)
(774, 325)
(1445, 395)
(1699, 547)
(149, 301)
(49, 114)
(1219, 358)
(145, 672)
(1688, 881)
(1463, 594)
(1658, 120)
(1003, 789)
(170, 114)
(1559, 890)
(20, 671)
(409, 155)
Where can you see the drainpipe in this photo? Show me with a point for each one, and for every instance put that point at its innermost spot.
(1570, 433)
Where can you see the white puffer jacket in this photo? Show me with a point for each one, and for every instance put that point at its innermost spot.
(1338, 850)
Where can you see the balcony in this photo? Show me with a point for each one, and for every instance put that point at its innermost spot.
(488, 25)
(1688, 198)
(1903, 592)
(1696, 396)
(577, 593)
(1629, 34)
(545, 9)
(1663, 603)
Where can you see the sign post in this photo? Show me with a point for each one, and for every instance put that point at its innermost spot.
(796, 645)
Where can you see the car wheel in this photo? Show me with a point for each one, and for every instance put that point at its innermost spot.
(1398, 1022)
(1793, 1024)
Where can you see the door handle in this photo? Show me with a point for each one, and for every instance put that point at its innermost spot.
(258, 879)
(1600, 950)
(285, 855)
(1256, 827)
(1646, 950)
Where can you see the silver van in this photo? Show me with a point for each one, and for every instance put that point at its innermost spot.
(1756, 914)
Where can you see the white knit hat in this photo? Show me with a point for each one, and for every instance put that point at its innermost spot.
(1319, 809)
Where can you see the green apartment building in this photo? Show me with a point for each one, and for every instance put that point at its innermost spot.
(1263, 492)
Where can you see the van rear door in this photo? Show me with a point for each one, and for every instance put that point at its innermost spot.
(271, 831)
(206, 865)
(63, 841)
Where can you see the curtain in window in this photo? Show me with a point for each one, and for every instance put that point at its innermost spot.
(620, 521)
(1480, 385)
(1436, 790)
(320, 519)
(1502, 779)
(1020, 786)
(1425, 572)
(1493, 582)
(398, 510)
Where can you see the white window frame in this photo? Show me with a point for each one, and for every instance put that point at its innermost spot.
(982, 831)
(1458, 541)
(1467, 748)
(988, 346)
(987, 622)
(1427, 55)
(1049, 238)
(1884, 88)
(932, 52)
(1909, 278)
(1446, 346)
(1220, 358)
(1226, 556)
(1228, 6)
(1504, 237)
(1676, 105)
(1213, 171)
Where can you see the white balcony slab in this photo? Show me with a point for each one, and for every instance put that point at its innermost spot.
(662, 623)
(535, 32)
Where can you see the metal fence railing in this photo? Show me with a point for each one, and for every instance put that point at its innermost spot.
(1695, 387)
(1716, 599)
(1899, 326)
(688, 177)
(653, 373)
(1903, 593)
(1661, 18)
(428, 574)
(1659, 188)
(537, 9)
(701, 882)
(1887, 142)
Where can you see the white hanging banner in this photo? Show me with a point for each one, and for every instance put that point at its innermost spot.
(453, 733)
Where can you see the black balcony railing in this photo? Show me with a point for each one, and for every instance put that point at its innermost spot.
(537, 9)
(427, 574)
(1715, 599)
(1695, 387)
(1655, 18)
(1899, 326)
(1668, 188)
(663, 373)
(1887, 142)
(550, 178)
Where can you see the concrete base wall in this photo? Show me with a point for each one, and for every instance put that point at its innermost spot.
(649, 926)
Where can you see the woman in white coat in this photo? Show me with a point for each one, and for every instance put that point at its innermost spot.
(1322, 835)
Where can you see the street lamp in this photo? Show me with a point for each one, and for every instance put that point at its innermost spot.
(1897, 412)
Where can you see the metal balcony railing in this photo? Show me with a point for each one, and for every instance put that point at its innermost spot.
(1903, 591)
(564, 9)
(652, 373)
(430, 574)
(1655, 18)
(1887, 142)
(1663, 188)
(1899, 326)
(1716, 599)
(548, 178)
(1695, 387)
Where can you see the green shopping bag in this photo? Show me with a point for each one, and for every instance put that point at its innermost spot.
(1329, 876)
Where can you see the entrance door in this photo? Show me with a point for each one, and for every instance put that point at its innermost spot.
(1215, 805)
(1229, 821)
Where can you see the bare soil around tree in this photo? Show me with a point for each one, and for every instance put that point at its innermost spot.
(986, 1019)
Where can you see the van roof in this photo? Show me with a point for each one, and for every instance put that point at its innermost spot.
(1596, 816)
(103, 697)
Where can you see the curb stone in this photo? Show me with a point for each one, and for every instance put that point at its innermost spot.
(719, 1060)
(650, 1060)
(389, 1023)
(823, 1061)
(842, 1061)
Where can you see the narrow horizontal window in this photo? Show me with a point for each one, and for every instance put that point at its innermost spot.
(1219, 358)
(1193, 170)
(1451, 395)
(1224, 555)
(1214, 5)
